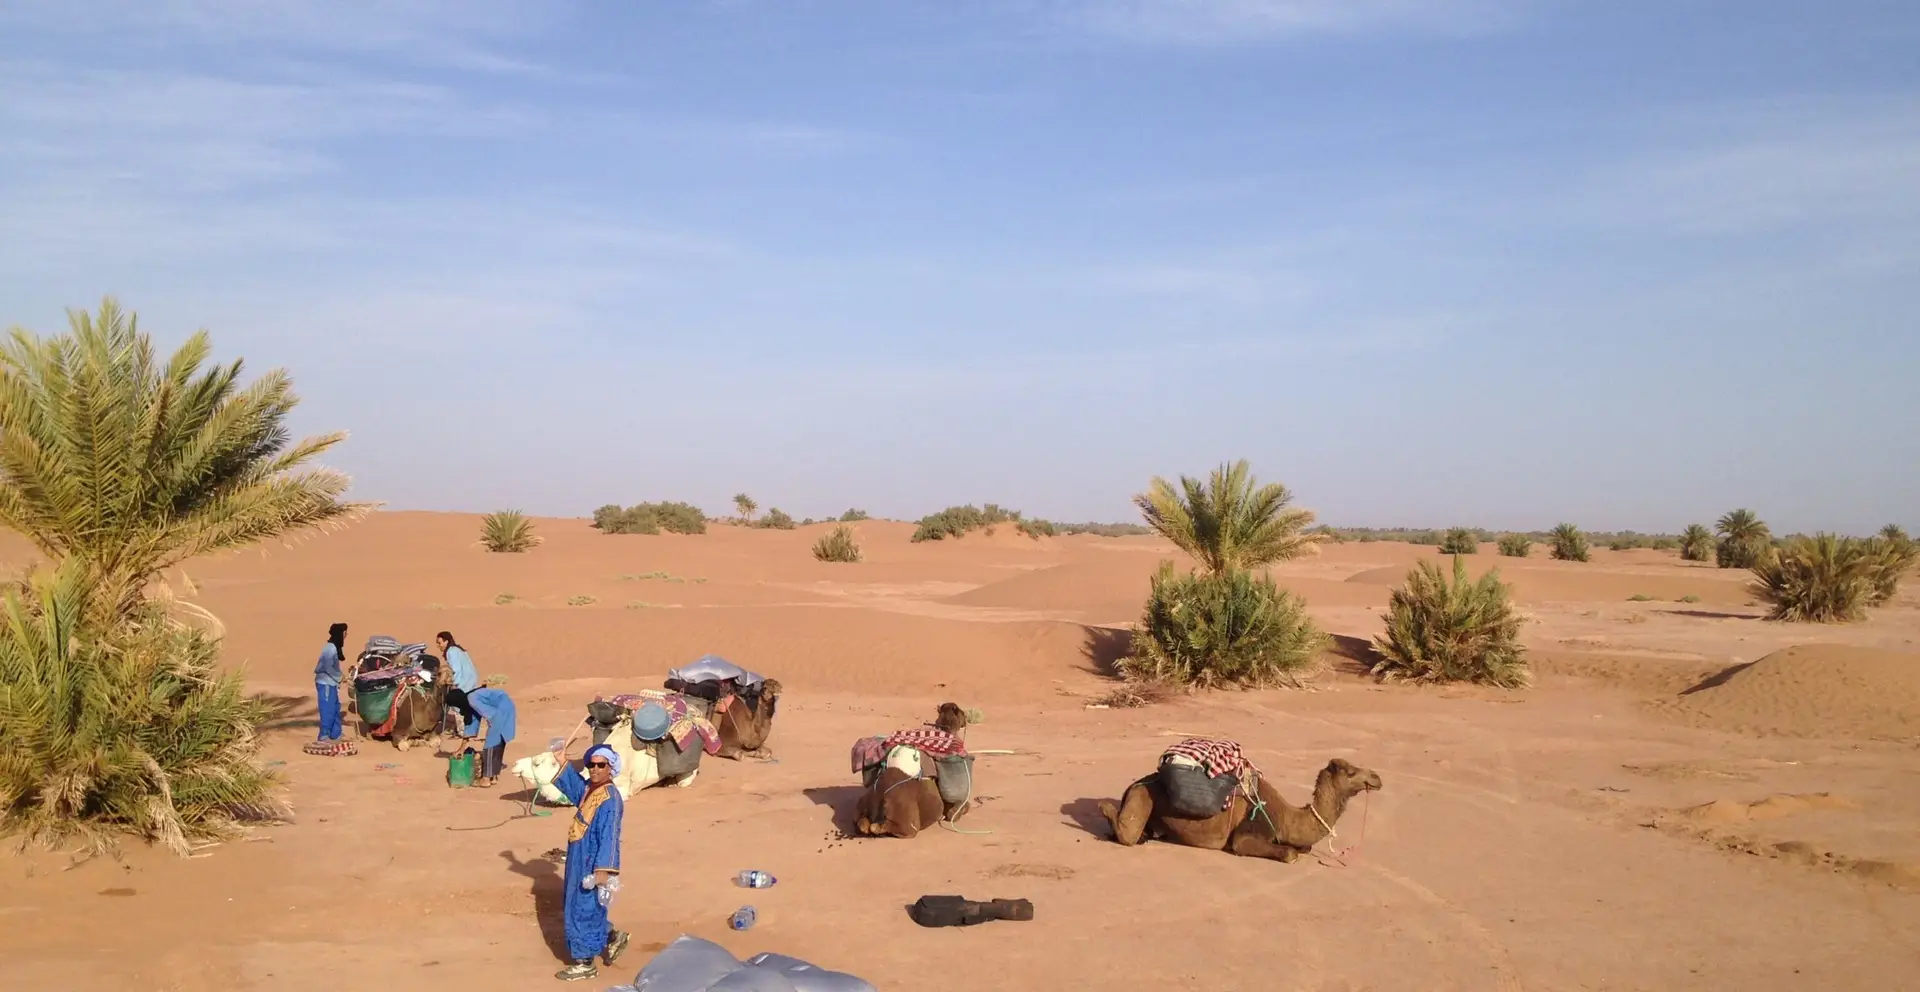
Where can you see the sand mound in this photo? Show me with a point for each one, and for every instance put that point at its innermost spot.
(1809, 690)
(1773, 807)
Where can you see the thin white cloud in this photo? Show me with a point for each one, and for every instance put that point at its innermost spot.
(1230, 21)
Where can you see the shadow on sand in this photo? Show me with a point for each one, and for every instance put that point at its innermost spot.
(842, 799)
(1710, 614)
(291, 712)
(1717, 679)
(1085, 814)
(545, 886)
(1103, 649)
(1352, 655)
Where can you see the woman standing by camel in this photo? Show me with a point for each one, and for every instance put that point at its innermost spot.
(326, 682)
(497, 708)
(466, 679)
(593, 859)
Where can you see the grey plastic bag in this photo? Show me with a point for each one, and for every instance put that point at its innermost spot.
(805, 977)
(713, 668)
(689, 964)
(954, 775)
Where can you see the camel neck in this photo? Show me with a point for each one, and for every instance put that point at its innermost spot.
(1327, 800)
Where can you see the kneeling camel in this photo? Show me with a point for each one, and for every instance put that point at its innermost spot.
(1271, 829)
(904, 798)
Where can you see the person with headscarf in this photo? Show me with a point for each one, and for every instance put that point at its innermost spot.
(593, 859)
(326, 682)
(466, 679)
(497, 707)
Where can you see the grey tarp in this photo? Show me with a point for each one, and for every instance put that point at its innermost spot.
(691, 964)
(713, 668)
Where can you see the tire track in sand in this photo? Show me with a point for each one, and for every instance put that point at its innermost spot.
(1497, 955)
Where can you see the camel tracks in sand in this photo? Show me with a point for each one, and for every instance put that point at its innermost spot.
(1497, 955)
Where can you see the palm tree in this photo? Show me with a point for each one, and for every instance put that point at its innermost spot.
(1226, 523)
(1696, 543)
(745, 504)
(132, 466)
(1743, 539)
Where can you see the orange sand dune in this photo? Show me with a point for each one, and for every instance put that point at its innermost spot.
(387, 876)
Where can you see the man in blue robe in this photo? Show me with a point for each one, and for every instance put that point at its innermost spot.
(593, 859)
(497, 708)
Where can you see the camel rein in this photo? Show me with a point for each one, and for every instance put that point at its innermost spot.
(1338, 857)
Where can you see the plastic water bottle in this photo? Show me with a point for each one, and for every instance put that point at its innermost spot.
(742, 918)
(754, 880)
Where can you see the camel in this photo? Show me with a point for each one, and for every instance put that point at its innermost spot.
(1274, 830)
(418, 711)
(744, 719)
(638, 771)
(904, 798)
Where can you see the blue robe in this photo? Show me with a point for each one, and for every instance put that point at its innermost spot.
(593, 844)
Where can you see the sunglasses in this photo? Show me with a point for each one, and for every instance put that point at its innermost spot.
(598, 764)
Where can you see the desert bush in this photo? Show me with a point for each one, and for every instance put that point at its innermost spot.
(120, 720)
(1035, 528)
(1696, 543)
(1894, 555)
(1516, 545)
(1821, 579)
(745, 504)
(1103, 530)
(508, 531)
(1627, 541)
(1568, 544)
(1215, 629)
(1664, 543)
(853, 516)
(1744, 540)
(837, 545)
(776, 519)
(1460, 541)
(581, 600)
(1463, 630)
(957, 521)
(1226, 522)
(135, 464)
(651, 518)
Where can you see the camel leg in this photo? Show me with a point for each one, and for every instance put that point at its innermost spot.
(761, 753)
(1129, 819)
(1250, 844)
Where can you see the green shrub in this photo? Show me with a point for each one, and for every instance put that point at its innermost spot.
(1464, 630)
(1215, 629)
(1104, 530)
(1569, 544)
(1744, 540)
(508, 531)
(837, 545)
(1627, 541)
(957, 521)
(651, 518)
(124, 726)
(1894, 555)
(776, 519)
(1460, 541)
(1664, 543)
(853, 516)
(1515, 545)
(745, 504)
(1696, 544)
(1035, 529)
(1822, 579)
(581, 600)
(1689, 598)
(1639, 597)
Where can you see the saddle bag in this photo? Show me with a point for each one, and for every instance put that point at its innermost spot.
(954, 774)
(1192, 793)
(673, 762)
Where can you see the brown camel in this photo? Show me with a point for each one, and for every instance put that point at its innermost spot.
(419, 711)
(900, 805)
(1271, 830)
(744, 720)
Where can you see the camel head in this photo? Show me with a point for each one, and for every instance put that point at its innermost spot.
(951, 719)
(770, 690)
(1349, 779)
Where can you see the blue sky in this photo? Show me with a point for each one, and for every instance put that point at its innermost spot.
(1433, 262)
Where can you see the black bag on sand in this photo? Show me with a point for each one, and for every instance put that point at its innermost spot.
(1194, 794)
(958, 911)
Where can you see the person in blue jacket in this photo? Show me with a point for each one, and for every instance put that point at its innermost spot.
(593, 859)
(326, 682)
(495, 707)
(466, 678)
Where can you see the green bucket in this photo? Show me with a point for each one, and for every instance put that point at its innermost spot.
(460, 769)
(374, 704)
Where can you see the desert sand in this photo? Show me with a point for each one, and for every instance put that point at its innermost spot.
(1689, 798)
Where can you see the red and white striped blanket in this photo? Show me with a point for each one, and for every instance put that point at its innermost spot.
(927, 740)
(1216, 756)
